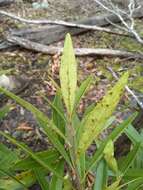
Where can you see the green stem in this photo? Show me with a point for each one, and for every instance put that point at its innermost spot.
(72, 150)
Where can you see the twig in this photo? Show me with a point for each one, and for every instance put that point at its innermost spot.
(128, 26)
(51, 50)
(127, 88)
(63, 23)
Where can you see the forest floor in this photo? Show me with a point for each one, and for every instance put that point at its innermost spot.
(37, 67)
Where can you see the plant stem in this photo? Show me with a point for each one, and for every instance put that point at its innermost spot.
(72, 150)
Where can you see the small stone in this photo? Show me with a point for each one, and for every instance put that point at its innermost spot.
(40, 5)
(13, 83)
(5, 82)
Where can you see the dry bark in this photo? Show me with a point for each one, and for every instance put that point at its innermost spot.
(51, 50)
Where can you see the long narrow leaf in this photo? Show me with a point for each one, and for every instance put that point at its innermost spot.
(30, 153)
(58, 113)
(114, 186)
(101, 176)
(82, 165)
(136, 185)
(129, 158)
(21, 181)
(50, 131)
(49, 156)
(4, 111)
(83, 89)
(109, 156)
(56, 183)
(113, 136)
(11, 177)
(55, 107)
(94, 122)
(41, 179)
(68, 75)
(133, 173)
(133, 134)
(7, 157)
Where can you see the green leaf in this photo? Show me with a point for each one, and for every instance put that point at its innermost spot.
(4, 110)
(67, 184)
(133, 173)
(109, 156)
(94, 123)
(41, 179)
(133, 134)
(50, 129)
(138, 162)
(58, 113)
(56, 183)
(114, 186)
(7, 157)
(101, 176)
(113, 136)
(40, 116)
(49, 156)
(19, 182)
(136, 138)
(82, 165)
(57, 109)
(68, 75)
(129, 159)
(30, 153)
(136, 185)
(83, 89)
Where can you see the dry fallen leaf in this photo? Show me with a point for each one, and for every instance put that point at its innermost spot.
(24, 126)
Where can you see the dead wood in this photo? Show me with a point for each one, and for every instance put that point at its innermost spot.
(51, 50)
(62, 23)
(50, 34)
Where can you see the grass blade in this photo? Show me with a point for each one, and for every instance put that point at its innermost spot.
(41, 179)
(101, 176)
(30, 153)
(56, 183)
(83, 89)
(129, 159)
(113, 136)
(45, 123)
(21, 181)
(4, 111)
(133, 134)
(48, 156)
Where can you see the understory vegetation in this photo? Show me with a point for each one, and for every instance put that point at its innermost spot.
(69, 163)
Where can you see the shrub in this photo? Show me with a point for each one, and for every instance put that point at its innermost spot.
(67, 165)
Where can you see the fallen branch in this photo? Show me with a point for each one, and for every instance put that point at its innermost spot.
(51, 50)
(63, 23)
(127, 26)
(50, 34)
